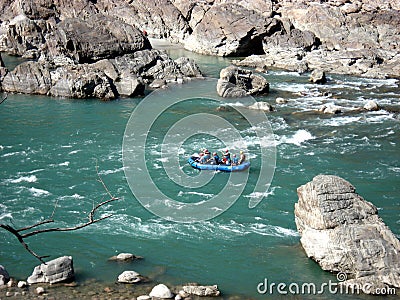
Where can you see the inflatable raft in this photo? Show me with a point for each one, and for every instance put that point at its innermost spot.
(224, 168)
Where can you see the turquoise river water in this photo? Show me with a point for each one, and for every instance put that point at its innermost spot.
(49, 149)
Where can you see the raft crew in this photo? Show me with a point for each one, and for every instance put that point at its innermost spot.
(226, 159)
(206, 158)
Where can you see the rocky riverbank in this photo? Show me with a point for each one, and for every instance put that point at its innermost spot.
(55, 280)
(68, 39)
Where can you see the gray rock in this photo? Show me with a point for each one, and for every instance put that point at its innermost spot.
(97, 37)
(188, 67)
(81, 81)
(342, 232)
(125, 257)
(262, 105)
(57, 270)
(281, 100)
(161, 291)
(371, 105)
(330, 109)
(318, 76)
(28, 77)
(238, 82)
(40, 290)
(230, 29)
(129, 277)
(202, 290)
(4, 277)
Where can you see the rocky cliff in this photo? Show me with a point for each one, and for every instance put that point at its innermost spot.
(343, 233)
(360, 37)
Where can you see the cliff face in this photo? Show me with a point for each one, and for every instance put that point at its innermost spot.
(342, 232)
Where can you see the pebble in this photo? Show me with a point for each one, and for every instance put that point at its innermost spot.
(22, 284)
(143, 297)
(40, 290)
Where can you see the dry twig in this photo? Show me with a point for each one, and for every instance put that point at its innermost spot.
(91, 220)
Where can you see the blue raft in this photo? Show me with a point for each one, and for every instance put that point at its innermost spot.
(224, 168)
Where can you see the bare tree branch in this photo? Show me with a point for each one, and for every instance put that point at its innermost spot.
(4, 98)
(91, 220)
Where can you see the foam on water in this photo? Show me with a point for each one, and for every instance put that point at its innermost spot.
(31, 178)
(38, 192)
(297, 139)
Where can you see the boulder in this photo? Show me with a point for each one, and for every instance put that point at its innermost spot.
(262, 105)
(4, 277)
(161, 291)
(230, 29)
(330, 109)
(202, 290)
(97, 37)
(129, 277)
(318, 76)
(81, 81)
(371, 105)
(238, 82)
(57, 270)
(281, 100)
(124, 257)
(342, 232)
(28, 77)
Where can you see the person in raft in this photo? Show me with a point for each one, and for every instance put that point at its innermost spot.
(242, 157)
(216, 158)
(206, 158)
(226, 159)
(235, 160)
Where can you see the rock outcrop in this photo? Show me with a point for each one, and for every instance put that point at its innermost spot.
(57, 270)
(342, 232)
(238, 82)
(97, 37)
(106, 79)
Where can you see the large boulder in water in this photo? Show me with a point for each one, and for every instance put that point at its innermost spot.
(342, 232)
(57, 270)
(238, 82)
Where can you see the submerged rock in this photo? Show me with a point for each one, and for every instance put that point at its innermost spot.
(57, 270)
(124, 257)
(342, 232)
(261, 105)
(318, 76)
(238, 82)
(371, 105)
